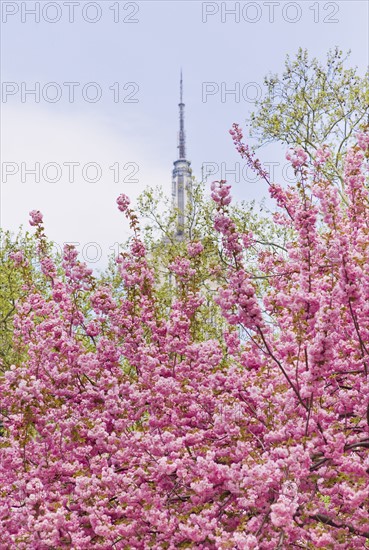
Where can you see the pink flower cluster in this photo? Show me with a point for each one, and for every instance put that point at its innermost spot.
(363, 140)
(220, 193)
(124, 427)
(123, 202)
(18, 258)
(182, 268)
(36, 217)
(321, 156)
(298, 157)
(194, 249)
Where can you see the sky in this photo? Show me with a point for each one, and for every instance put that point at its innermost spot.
(90, 93)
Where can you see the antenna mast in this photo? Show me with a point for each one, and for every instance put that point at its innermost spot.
(182, 136)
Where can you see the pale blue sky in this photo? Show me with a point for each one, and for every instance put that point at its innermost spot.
(150, 53)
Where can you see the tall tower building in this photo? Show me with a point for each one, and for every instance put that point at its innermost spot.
(182, 173)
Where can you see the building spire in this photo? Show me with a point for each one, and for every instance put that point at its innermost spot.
(182, 136)
(181, 175)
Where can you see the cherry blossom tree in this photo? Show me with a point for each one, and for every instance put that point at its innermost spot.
(123, 429)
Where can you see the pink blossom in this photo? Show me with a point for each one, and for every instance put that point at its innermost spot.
(321, 156)
(220, 192)
(36, 217)
(297, 157)
(363, 140)
(123, 202)
(18, 258)
(194, 249)
(92, 329)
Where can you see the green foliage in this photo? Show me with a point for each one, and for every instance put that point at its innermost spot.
(312, 104)
(11, 282)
